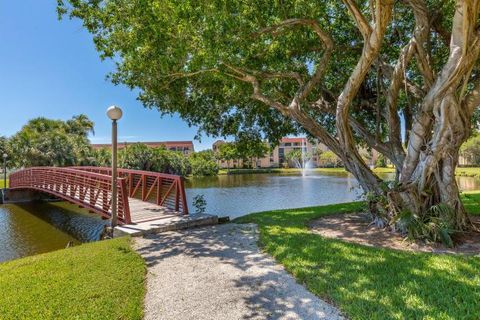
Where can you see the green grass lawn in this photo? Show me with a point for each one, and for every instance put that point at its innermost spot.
(471, 201)
(366, 282)
(468, 172)
(1, 183)
(101, 280)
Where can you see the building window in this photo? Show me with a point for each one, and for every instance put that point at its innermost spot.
(287, 144)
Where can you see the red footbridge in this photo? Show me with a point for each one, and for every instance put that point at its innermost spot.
(142, 195)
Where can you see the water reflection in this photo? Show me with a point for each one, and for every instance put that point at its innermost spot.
(68, 218)
(38, 227)
(237, 195)
(33, 228)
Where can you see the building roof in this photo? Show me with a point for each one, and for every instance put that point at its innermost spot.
(293, 140)
(154, 144)
(218, 142)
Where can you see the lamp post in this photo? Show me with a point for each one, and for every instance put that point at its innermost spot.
(5, 156)
(114, 113)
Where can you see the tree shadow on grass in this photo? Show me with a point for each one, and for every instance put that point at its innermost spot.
(375, 283)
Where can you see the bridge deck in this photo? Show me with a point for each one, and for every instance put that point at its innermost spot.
(141, 211)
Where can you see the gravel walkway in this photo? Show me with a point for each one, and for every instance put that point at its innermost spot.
(219, 273)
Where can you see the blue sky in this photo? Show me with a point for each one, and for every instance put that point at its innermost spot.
(50, 68)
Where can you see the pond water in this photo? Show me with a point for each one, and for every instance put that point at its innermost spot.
(237, 195)
(37, 227)
(33, 228)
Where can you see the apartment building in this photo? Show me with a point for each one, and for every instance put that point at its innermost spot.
(185, 147)
(277, 157)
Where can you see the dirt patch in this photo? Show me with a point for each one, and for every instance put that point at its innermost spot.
(355, 227)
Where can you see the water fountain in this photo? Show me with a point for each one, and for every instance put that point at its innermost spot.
(304, 163)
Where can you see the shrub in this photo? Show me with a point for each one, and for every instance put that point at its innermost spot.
(203, 163)
(329, 159)
(137, 156)
(199, 203)
(436, 225)
(380, 162)
(171, 162)
(141, 157)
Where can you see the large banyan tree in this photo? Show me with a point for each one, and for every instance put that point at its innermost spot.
(401, 77)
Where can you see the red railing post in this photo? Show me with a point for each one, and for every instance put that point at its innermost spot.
(159, 190)
(125, 204)
(130, 184)
(144, 187)
(183, 196)
(177, 192)
(105, 200)
(92, 195)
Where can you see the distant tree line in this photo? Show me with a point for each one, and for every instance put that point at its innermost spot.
(47, 142)
(470, 150)
(247, 148)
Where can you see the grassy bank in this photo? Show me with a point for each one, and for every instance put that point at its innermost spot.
(366, 282)
(468, 172)
(1, 183)
(295, 170)
(101, 280)
(461, 172)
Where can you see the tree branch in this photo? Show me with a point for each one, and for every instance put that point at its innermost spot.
(178, 75)
(241, 75)
(277, 75)
(464, 50)
(328, 106)
(436, 18)
(359, 18)
(305, 120)
(327, 42)
(370, 52)
(421, 38)
(398, 76)
(321, 65)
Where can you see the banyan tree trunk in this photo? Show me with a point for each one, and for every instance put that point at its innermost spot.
(429, 178)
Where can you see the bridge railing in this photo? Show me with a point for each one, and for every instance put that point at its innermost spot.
(163, 189)
(89, 190)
